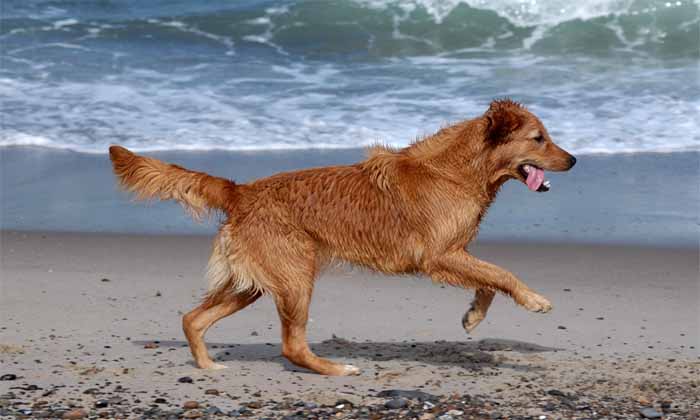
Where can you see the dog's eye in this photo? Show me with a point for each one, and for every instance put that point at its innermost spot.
(539, 139)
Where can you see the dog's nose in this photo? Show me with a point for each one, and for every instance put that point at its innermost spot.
(572, 162)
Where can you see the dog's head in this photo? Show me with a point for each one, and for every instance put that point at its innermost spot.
(519, 146)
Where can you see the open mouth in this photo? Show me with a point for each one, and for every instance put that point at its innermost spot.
(534, 178)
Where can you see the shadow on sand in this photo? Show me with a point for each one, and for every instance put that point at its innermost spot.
(473, 355)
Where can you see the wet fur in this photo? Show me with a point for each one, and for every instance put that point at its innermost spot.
(412, 210)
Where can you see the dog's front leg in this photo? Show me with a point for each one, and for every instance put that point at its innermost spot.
(477, 311)
(459, 268)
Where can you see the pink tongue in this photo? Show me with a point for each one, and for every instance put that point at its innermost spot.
(535, 178)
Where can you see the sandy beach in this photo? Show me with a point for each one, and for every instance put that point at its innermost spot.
(92, 321)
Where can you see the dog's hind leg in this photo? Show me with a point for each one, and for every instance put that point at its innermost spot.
(293, 310)
(199, 320)
(477, 312)
(288, 267)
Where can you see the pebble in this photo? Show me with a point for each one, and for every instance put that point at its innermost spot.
(8, 377)
(396, 403)
(445, 417)
(150, 346)
(410, 395)
(211, 392)
(650, 413)
(193, 414)
(213, 410)
(101, 403)
(557, 393)
(189, 405)
(75, 414)
(185, 380)
(643, 400)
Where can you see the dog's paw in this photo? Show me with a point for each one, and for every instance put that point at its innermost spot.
(537, 303)
(471, 319)
(213, 366)
(350, 370)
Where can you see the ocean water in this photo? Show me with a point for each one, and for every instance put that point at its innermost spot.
(605, 76)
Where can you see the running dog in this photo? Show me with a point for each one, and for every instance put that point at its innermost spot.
(408, 211)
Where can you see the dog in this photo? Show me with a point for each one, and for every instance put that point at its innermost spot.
(400, 211)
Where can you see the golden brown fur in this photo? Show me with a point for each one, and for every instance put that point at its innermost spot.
(412, 210)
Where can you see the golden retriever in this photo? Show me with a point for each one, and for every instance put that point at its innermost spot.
(412, 210)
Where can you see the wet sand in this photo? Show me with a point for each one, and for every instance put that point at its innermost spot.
(93, 317)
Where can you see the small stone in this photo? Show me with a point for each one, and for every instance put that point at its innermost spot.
(556, 393)
(158, 294)
(254, 333)
(445, 417)
(105, 280)
(211, 392)
(343, 403)
(101, 403)
(410, 395)
(561, 327)
(190, 405)
(396, 403)
(150, 346)
(643, 400)
(160, 400)
(254, 405)
(78, 413)
(650, 413)
(193, 414)
(213, 410)
(8, 377)
(185, 380)
(455, 413)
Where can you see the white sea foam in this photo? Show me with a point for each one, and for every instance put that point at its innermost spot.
(146, 113)
(64, 22)
(226, 41)
(532, 12)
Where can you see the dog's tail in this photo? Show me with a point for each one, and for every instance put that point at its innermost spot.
(150, 178)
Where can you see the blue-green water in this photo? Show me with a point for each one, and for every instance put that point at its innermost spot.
(606, 76)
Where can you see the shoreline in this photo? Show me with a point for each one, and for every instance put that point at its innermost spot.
(645, 199)
(310, 149)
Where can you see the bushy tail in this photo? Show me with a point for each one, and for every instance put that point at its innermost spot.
(150, 178)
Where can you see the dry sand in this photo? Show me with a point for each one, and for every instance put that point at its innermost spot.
(81, 312)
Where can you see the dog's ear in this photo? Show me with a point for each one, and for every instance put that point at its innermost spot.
(502, 119)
